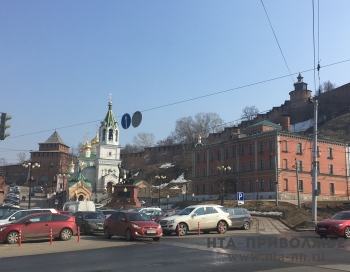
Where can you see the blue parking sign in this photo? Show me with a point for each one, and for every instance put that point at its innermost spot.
(240, 196)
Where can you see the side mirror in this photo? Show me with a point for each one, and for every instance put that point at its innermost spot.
(194, 215)
(12, 218)
(122, 219)
(28, 222)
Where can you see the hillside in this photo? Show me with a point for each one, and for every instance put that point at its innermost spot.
(337, 129)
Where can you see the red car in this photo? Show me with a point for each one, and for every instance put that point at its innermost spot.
(162, 215)
(131, 225)
(338, 225)
(38, 225)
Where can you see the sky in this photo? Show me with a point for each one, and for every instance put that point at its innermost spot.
(61, 60)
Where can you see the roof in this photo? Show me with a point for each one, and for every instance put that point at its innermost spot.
(109, 120)
(55, 138)
(79, 176)
(266, 123)
(143, 181)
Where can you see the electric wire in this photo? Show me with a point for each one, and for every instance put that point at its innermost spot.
(277, 40)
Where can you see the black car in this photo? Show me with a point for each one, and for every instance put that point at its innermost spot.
(107, 213)
(240, 218)
(89, 222)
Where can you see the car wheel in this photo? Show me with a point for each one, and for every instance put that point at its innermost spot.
(128, 235)
(83, 230)
(246, 225)
(347, 233)
(167, 233)
(12, 237)
(206, 231)
(66, 234)
(156, 239)
(107, 233)
(223, 227)
(182, 228)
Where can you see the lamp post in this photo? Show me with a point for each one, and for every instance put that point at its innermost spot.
(223, 169)
(183, 198)
(125, 190)
(160, 178)
(30, 165)
(192, 198)
(167, 205)
(257, 189)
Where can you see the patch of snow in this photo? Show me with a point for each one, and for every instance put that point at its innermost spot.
(136, 174)
(167, 165)
(302, 126)
(180, 179)
(175, 188)
(161, 186)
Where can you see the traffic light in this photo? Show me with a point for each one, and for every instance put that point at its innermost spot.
(4, 126)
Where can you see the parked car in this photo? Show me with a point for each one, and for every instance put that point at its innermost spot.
(98, 205)
(156, 217)
(66, 212)
(107, 213)
(240, 218)
(89, 222)
(209, 217)
(15, 215)
(13, 194)
(338, 225)
(131, 225)
(4, 210)
(38, 189)
(148, 210)
(38, 225)
(79, 206)
(11, 201)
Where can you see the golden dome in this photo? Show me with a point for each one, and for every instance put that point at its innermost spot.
(95, 140)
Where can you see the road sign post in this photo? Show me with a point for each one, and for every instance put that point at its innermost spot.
(240, 198)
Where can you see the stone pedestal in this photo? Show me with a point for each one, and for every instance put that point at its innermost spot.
(124, 200)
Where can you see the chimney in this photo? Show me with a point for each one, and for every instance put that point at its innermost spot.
(285, 123)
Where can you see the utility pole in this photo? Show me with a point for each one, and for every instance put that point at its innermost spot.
(314, 164)
(276, 179)
(297, 176)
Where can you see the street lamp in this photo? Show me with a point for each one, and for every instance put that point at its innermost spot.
(160, 178)
(223, 169)
(183, 198)
(257, 189)
(192, 198)
(167, 205)
(30, 165)
(125, 190)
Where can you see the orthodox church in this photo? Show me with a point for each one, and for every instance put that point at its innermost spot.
(99, 161)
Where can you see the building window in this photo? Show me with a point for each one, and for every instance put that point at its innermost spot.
(251, 166)
(212, 156)
(331, 187)
(204, 172)
(251, 185)
(318, 166)
(212, 171)
(262, 165)
(318, 151)
(203, 188)
(243, 186)
(198, 173)
(243, 167)
(198, 159)
(233, 168)
(205, 157)
(330, 153)
(300, 148)
(300, 165)
(226, 153)
(271, 163)
(243, 150)
(219, 154)
(271, 184)
(331, 169)
(285, 164)
(261, 147)
(301, 186)
(262, 185)
(197, 189)
(270, 146)
(284, 146)
(250, 149)
(139, 190)
(286, 184)
(319, 187)
(145, 190)
(211, 188)
(233, 152)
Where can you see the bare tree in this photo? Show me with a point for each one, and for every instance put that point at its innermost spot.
(249, 113)
(143, 139)
(128, 148)
(22, 157)
(188, 128)
(326, 87)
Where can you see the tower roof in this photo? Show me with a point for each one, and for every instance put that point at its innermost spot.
(79, 176)
(109, 120)
(55, 138)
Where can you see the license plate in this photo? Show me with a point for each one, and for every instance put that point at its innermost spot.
(322, 229)
(151, 231)
(100, 228)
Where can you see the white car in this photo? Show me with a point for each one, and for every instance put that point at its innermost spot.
(207, 217)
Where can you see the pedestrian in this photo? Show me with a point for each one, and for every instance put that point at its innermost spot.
(23, 198)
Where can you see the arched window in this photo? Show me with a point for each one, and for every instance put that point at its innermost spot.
(110, 134)
(116, 135)
(104, 134)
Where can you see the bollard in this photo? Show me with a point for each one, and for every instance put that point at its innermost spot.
(78, 234)
(199, 229)
(178, 230)
(220, 227)
(19, 238)
(50, 236)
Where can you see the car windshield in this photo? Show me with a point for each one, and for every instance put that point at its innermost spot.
(186, 211)
(7, 214)
(20, 219)
(138, 217)
(94, 216)
(342, 216)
